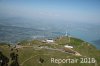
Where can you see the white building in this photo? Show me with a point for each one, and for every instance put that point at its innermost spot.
(49, 41)
(66, 46)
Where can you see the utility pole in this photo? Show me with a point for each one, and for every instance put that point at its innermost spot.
(68, 36)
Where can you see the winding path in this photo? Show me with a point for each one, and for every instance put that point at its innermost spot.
(31, 58)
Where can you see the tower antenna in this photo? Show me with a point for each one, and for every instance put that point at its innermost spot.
(68, 36)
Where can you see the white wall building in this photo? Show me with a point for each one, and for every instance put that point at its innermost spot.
(66, 46)
(49, 41)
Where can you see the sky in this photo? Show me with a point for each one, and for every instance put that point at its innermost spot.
(67, 10)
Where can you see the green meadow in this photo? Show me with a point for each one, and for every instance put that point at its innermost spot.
(32, 52)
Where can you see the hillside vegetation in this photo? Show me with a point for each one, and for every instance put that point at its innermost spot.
(39, 53)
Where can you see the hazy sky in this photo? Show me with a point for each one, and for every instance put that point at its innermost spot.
(81, 18)
(67, 10)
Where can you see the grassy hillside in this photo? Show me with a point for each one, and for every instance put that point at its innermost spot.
(32, 53)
